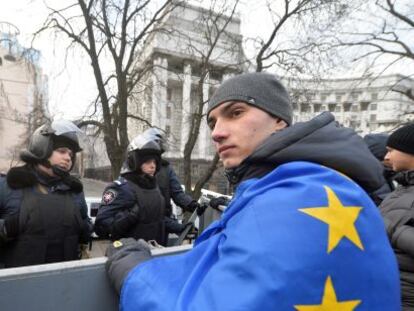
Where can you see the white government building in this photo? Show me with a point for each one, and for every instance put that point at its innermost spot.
(364, 104)
(367, 105)
(169, 93)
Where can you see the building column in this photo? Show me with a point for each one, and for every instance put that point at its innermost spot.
(159, 92)
(186, 106)
(203, 138)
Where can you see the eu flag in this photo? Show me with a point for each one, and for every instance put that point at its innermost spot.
(304, 237)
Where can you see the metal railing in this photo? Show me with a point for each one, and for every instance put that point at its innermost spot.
(68, 286)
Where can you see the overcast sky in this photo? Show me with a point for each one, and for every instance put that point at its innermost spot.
(72, 89)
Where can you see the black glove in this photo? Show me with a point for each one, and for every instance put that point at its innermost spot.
(192, 206)
(195, 206)
(201, 209)
(173, 226)
(11, 223)
(216, 202)
(123, 256)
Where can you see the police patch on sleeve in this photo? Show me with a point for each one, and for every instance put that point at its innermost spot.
(109, 196)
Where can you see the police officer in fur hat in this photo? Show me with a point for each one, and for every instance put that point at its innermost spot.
(43, 213)
(132, 205)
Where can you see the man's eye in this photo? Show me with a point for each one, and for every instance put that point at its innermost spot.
(237, 112)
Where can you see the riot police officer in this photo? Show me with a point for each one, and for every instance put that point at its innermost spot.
(132, 205)
(168, 181)
(43, 213)
(170, 187)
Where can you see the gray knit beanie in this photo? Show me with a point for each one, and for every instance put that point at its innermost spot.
(261, 90)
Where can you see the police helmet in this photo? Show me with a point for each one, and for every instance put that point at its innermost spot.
(156, 134)
(45, 139)
(141, 148)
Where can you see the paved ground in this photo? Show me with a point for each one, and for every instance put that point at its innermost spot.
(98, 248)
(93, 187)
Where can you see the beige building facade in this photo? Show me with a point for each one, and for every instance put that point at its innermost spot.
(23, 98)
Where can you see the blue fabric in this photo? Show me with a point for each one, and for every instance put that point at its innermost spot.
(267, 253)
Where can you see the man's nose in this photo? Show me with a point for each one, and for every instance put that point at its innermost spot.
(219, 132)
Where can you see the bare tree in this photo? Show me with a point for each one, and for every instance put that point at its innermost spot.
(293, 44)
(213, 26)
(384, 38)
(111, 34)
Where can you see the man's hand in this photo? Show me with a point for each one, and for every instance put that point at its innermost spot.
(123, 256)
(192, 206)
(216, 202)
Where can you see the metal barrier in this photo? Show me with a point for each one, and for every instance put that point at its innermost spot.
(68, 286)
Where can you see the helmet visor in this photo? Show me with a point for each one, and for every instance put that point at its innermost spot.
(60, 127)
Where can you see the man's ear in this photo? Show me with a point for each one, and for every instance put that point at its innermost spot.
(279, 124)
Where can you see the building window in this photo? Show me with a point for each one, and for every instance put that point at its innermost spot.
(331, 107)
(195, 169)
(373, 117)
(354, 108)
(1, 61)
(324, 97)
(354, 124)
(355, 96)
(216, 75)
(305, 108)
(374, 96)
(364, 106)
(167, 131)
(317, 108)
(347, 107)
(168, 111)
(373, 107)
(169, 94)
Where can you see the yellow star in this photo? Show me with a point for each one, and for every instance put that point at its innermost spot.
(341, 220)
(329, 301)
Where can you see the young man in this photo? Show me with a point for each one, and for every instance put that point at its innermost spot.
(43, 213)
(299, 234)
(397, 208)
